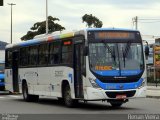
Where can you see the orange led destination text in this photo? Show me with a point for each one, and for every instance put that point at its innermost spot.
(103, 67)
(113, 35)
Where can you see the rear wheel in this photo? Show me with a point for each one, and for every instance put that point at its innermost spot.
(69, 102)
(27, 97)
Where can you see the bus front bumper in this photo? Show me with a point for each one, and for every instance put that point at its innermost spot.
(100, 94)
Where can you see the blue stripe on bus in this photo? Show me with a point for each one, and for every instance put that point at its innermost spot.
(2, 83)
(70, 77)
(1, 76)
(117, 72)
(119, 86)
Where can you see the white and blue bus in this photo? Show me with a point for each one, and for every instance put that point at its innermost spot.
(90, 64)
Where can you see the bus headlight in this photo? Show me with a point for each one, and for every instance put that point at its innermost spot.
(143, 83)
(1, 80)
(93, 82)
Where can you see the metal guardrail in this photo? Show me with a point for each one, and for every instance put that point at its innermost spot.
(153, 75)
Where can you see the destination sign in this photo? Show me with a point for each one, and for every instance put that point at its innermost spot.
(114, 35)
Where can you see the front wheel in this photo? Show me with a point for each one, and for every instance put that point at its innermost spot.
(69, 102)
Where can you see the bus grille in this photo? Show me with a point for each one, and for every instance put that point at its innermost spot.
(127, 93)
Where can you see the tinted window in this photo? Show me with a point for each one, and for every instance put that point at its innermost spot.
(54, 53)
(8, 58)
(33, 55)
(24, 53)
(67, 52)
(43, 54)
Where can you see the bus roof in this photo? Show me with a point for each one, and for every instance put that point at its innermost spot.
(60, 35)
(110, 29)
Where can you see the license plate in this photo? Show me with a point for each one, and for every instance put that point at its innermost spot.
(121, 96)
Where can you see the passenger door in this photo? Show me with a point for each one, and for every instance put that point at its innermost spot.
(77, 65)
(15, 79)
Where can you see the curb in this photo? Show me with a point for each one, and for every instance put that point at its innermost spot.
(154, 89)
(8, 93)
(157, 97)
(4, 92)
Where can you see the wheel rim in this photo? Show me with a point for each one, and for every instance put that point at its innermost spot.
(68, 97)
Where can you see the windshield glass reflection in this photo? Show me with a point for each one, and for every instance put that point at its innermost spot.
(115, 56)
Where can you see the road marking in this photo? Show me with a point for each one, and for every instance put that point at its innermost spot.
(2, 97)
(9, 96)
(14, 96)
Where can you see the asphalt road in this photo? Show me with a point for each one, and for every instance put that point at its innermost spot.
(49, 107)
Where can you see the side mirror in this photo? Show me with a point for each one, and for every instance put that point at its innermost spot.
(85, 51)
(146, 52)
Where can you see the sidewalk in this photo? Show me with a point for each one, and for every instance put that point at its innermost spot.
(153, 91)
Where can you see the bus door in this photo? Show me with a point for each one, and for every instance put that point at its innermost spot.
(78, 61)
(15, 55)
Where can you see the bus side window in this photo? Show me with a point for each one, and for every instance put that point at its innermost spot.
(24, 56)
(43, 54)
(54, 53)
(8, 62)
(67, 52)
(33, 57)
(51, 50)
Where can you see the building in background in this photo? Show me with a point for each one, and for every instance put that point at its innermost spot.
(157, 41)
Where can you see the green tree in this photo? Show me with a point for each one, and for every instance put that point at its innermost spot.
(40, 28)
(92, 21)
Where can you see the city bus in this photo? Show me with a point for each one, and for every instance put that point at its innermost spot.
(105, 64)
(2, 84)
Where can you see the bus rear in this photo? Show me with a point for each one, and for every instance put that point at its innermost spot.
(116, 68)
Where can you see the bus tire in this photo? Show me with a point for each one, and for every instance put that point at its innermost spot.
(69, 102)
(27, 97)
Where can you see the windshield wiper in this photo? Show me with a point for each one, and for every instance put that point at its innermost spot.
(125, 52)
(109, 49)
(124, 62)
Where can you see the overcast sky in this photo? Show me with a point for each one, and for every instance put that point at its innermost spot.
(113, 13)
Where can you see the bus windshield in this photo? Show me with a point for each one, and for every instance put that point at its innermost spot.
(122, 57)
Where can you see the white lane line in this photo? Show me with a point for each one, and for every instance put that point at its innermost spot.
(14, 96)
(2, 97)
